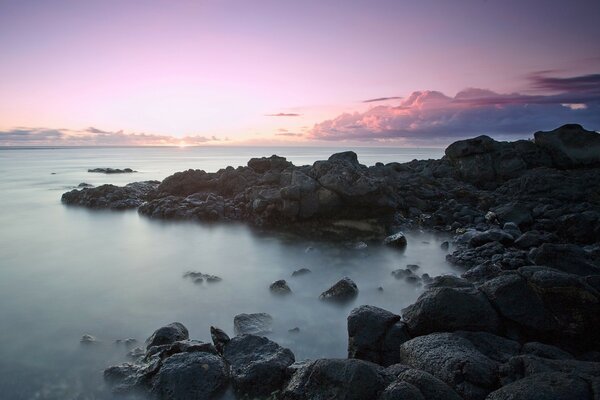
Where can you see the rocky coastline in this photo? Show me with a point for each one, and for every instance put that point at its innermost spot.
(521, 322)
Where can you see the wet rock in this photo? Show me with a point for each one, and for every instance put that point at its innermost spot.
(168, 334)
(301, 271)
(88, 339)
(343, 290)
(454, 360)
(491, 235)
(375, 335)
(397, 240)
(255, 324)
(112, 170)
(190, 375)
(534, 239)
(443, 309)
(294, 330)
(412, 267)
(546, 351)
(258, 365)
(280, 287)
(84, 185)
(112, 197)
(182, 346)
(199, 277)
(495, 347)
(401, 390)
(569, 258)
(348, 379)
(219, 338)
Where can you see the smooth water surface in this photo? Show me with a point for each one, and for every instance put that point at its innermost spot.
(68, 271)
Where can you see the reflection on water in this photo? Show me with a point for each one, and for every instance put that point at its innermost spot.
(66, 272)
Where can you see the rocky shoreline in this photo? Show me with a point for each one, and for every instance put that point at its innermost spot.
(523, 320)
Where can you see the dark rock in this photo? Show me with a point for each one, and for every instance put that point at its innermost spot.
(491, 235)
(168, 334)
(375, 335)
(569, 258)
(348, 379)
(430, 387)
(301, 271)
(258, 365)
(397, 240)
(110, 196)
(441, 309)
(88, 339)
(492, 346)
(112, 170)
(280, 287)
(190, 375)
(199, 277)
(294, 330)
(454, 360)
(545, 351)
(182, 346)
(255, 324)
(343, 290)
(401, 390)
(445, 245)
(570, 146)
(534, 239)
(219, 338)
(547, 385)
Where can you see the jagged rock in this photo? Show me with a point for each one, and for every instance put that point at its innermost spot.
(219, 338)
(168, 334)
(255, 324)
(397, 240)
(570, 146)
(258, 365)
(343, 290)
(112, 170)
(323, 379)
(430, 387)
(569, 258)
(109, 196)
(491, 235)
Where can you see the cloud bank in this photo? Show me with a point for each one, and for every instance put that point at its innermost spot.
(433, 117)
(24, 136)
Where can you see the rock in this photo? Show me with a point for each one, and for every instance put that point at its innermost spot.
(190, 375)
(545, 351)
(512, 229)
(84, 185)
(294, 330)
(265, 164)
(412, 267)
(441, 309)
(182, 346)
(547, 385)
(401, 390)
(430, 387)
(347, 379)
(168, 334)
(255, 324)
(112, 170)
(301, 271)
(111, 197)
(88, 339)
(397, 240)
(533, 239)
(199, 277)
(491, 235)
(375, 335)
(219, 338)
(445, 245)
(280, 287)
(258, 365)
(570, 146)
(343, 290)
(569, 258)
(454, 360)
(492, 346)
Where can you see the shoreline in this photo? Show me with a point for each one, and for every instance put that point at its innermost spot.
(526, 216)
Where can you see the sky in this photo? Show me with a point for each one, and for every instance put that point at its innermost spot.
(312, 72)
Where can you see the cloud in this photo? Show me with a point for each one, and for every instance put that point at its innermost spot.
(433, 117)
(381, 99)
(283, 115)
(289, 134)
(23, 136)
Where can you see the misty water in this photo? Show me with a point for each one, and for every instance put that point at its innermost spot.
(69, 271)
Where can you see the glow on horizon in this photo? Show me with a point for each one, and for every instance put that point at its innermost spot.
(238, 72)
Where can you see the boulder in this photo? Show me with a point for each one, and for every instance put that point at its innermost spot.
(324, 379)
(430, 387)
(343, 290)
(255, 324)
(280, 287)
(219, 338)
(491, 235)
(258, 365)
(570, 146)
(190, 376)
(443, 309)
(454, 360)
(397, 240)
(168, 334)
(569, 258)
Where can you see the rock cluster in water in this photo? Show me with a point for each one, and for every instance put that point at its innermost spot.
(522, 321)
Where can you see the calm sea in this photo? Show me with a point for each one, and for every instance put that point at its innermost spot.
(66, 272)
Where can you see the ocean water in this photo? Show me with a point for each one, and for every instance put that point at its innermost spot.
(68, 271)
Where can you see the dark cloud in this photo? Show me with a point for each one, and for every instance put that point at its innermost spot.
(283, 115)
(23, 136)
(381, 99)
(431, 116)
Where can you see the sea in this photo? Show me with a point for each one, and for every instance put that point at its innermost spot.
(66, 271)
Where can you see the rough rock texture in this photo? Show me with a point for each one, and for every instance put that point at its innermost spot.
(570, 146)
(112, 170)
(255, 324)
(336, 379)
(167, 335)
(258, 365)
(343, 290)
(132, 195)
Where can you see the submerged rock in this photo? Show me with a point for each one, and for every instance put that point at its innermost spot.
(397, 240)
(112, 170)
(301, 271)
(280, 287)
(343, 290)
(256, 324)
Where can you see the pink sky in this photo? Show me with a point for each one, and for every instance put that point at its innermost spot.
(202, 72)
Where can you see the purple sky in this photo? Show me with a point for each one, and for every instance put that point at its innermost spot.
(310, 72)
